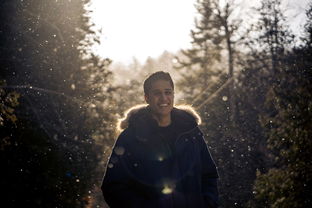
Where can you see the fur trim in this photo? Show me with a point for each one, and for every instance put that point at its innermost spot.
(123, 123)
(189, 109)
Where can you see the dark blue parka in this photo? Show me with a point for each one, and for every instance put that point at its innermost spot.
(144, 172)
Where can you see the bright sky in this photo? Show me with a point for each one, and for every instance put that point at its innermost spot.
(142, 28)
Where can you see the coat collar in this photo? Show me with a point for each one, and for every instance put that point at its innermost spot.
(139, 117)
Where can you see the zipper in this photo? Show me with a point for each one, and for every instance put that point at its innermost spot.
(165, 143)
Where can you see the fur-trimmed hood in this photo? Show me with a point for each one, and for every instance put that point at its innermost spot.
(151, 159)
(184, 112)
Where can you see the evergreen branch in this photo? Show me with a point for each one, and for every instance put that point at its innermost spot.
(49, 23)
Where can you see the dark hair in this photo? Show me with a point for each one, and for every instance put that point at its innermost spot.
(160, 75)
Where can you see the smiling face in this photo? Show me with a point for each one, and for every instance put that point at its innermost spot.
(160, 98)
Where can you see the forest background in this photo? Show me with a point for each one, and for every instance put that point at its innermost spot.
(60, 102)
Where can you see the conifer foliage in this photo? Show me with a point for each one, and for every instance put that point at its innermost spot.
(288, 127)
(50, 154)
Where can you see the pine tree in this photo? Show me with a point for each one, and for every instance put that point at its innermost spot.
(198, 66)
(289, 132)
(46, 59)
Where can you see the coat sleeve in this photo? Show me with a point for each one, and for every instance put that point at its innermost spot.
(118, 187)
(209, 177)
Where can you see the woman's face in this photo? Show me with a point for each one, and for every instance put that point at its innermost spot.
(160, 98)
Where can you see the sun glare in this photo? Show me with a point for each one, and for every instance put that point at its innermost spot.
(142, 28)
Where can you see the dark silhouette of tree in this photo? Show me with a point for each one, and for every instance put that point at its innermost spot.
(63, 122)
(289, 132)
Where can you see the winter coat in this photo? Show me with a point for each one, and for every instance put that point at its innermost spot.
(144, 172)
